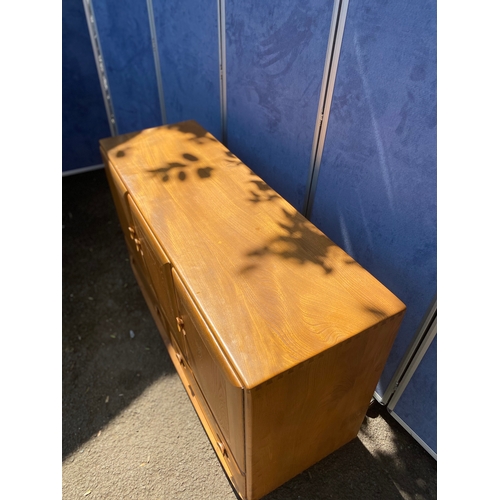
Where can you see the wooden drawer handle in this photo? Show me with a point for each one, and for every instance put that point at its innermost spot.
(180, 323)
(132, 232)
(222, 448)
(138, 245)
(180, 359)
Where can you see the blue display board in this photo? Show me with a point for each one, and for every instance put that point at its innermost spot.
(275, 60)
(84, 119)
(376, 194)
(417, 406)
(125, 38)
(188, 46)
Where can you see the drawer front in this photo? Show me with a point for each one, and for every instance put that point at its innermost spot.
(215, 378)
(157, 265)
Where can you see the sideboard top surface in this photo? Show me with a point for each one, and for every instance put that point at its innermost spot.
(274, 289)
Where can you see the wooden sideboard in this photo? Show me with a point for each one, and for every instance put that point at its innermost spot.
(277, 334)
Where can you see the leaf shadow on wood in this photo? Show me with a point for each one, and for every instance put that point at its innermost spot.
(296, 239)
(183, 171)
(198, 134)
(299, 241)
(194, 166)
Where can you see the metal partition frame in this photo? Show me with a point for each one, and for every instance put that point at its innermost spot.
(156, 56)
(412, 358)
(422, 349)
(221, 17)
(339, 16)
(408, 366)
(101, 70)
(275, 67)
(413, 364)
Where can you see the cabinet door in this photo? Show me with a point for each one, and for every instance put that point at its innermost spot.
(157, 265)
(119, 194)
(215, 378)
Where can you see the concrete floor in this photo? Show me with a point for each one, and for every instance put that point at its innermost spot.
(129, 429)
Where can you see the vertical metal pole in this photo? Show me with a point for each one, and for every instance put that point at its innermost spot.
(221, 16)
(101, 70)
(156, 56)
(325, 101)
(422, 332)
(413, 365)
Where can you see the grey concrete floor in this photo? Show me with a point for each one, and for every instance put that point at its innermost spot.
(129, 429)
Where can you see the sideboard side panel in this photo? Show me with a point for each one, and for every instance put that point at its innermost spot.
(303, 415)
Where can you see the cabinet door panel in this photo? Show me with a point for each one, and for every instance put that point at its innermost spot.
(224, 398)
(224, 446)
(157, 264)
(119, 194)
(152, 304)
(224, 452)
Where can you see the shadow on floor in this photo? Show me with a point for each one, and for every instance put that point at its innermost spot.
(103, 368)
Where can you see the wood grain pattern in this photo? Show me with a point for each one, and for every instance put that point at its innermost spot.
(278, 335)
(257, 250)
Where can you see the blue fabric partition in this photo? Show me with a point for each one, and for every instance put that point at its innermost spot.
(275, 60)
(84, 119)
(417, 406)
(376, 194)
(188, 46)
(125, 38)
